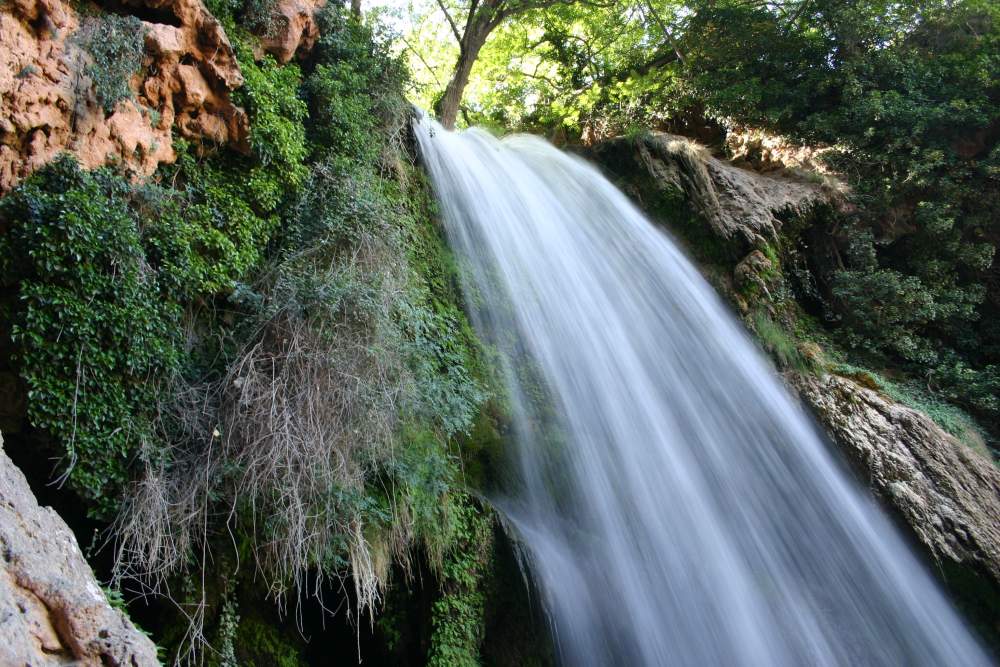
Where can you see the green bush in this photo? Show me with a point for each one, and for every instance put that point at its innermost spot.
(116, 45)
(355, 90)
(905, 96)
(270, 94)
(93, 338)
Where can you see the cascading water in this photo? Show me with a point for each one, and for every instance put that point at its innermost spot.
(677, 507)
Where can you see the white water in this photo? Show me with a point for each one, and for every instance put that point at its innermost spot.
(677, 506)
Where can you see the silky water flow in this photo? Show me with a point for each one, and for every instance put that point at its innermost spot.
(675, 504)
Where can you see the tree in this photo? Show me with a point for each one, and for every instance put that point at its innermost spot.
(482, 17)
(586, 67)
(905, 95)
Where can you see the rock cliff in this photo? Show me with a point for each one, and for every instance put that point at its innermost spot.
(51, 77)
(52, 611)
(50, 102)
(742, 206)
(948, 494)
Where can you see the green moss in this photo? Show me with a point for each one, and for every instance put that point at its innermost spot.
(784, 349)
(458, 616)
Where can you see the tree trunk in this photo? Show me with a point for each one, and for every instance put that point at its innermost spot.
(356, 8)
(472, 43)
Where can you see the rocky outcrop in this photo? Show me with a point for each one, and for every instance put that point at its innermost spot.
(741, 206)
(947, 493)
(48, 102)
(52, 612)
(765, 152)
(291, 29)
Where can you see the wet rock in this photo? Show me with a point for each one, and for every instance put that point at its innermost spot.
(945, 492)
(52, 612)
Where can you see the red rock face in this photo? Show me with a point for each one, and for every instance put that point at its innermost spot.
(293, 29)
(48, 105)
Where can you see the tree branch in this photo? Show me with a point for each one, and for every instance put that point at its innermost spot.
(420, 57)
(451, 22)
(666, 31)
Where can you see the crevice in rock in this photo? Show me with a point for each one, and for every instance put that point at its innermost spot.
(149, 14)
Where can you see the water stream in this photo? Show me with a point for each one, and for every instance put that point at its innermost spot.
(677, 506)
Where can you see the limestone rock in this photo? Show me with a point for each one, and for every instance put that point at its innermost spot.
(741, 205)
(753, 270)
(947, 493)
(52, 612)
(48, 104)
(292, 29)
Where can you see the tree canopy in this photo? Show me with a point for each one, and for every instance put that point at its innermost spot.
(904, 95)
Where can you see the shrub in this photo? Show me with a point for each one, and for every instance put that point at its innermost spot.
(93, 338)
(356, 107)
(277, 136)
(116, 46)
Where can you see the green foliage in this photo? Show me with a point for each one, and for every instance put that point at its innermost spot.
(91, 332)
(106, 268)
(205, 236)
(116, 46)
(324, 415)
(277, 135)
(310, 271)
(906, 93)
(782, 346)
(226, 635)
(457, 616)
(571, 69)
(215, 228)
(261, 644)
(354, 90)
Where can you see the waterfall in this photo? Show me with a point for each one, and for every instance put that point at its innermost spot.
(676, 505)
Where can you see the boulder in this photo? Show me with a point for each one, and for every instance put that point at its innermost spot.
(292, 29)
(52, 611)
